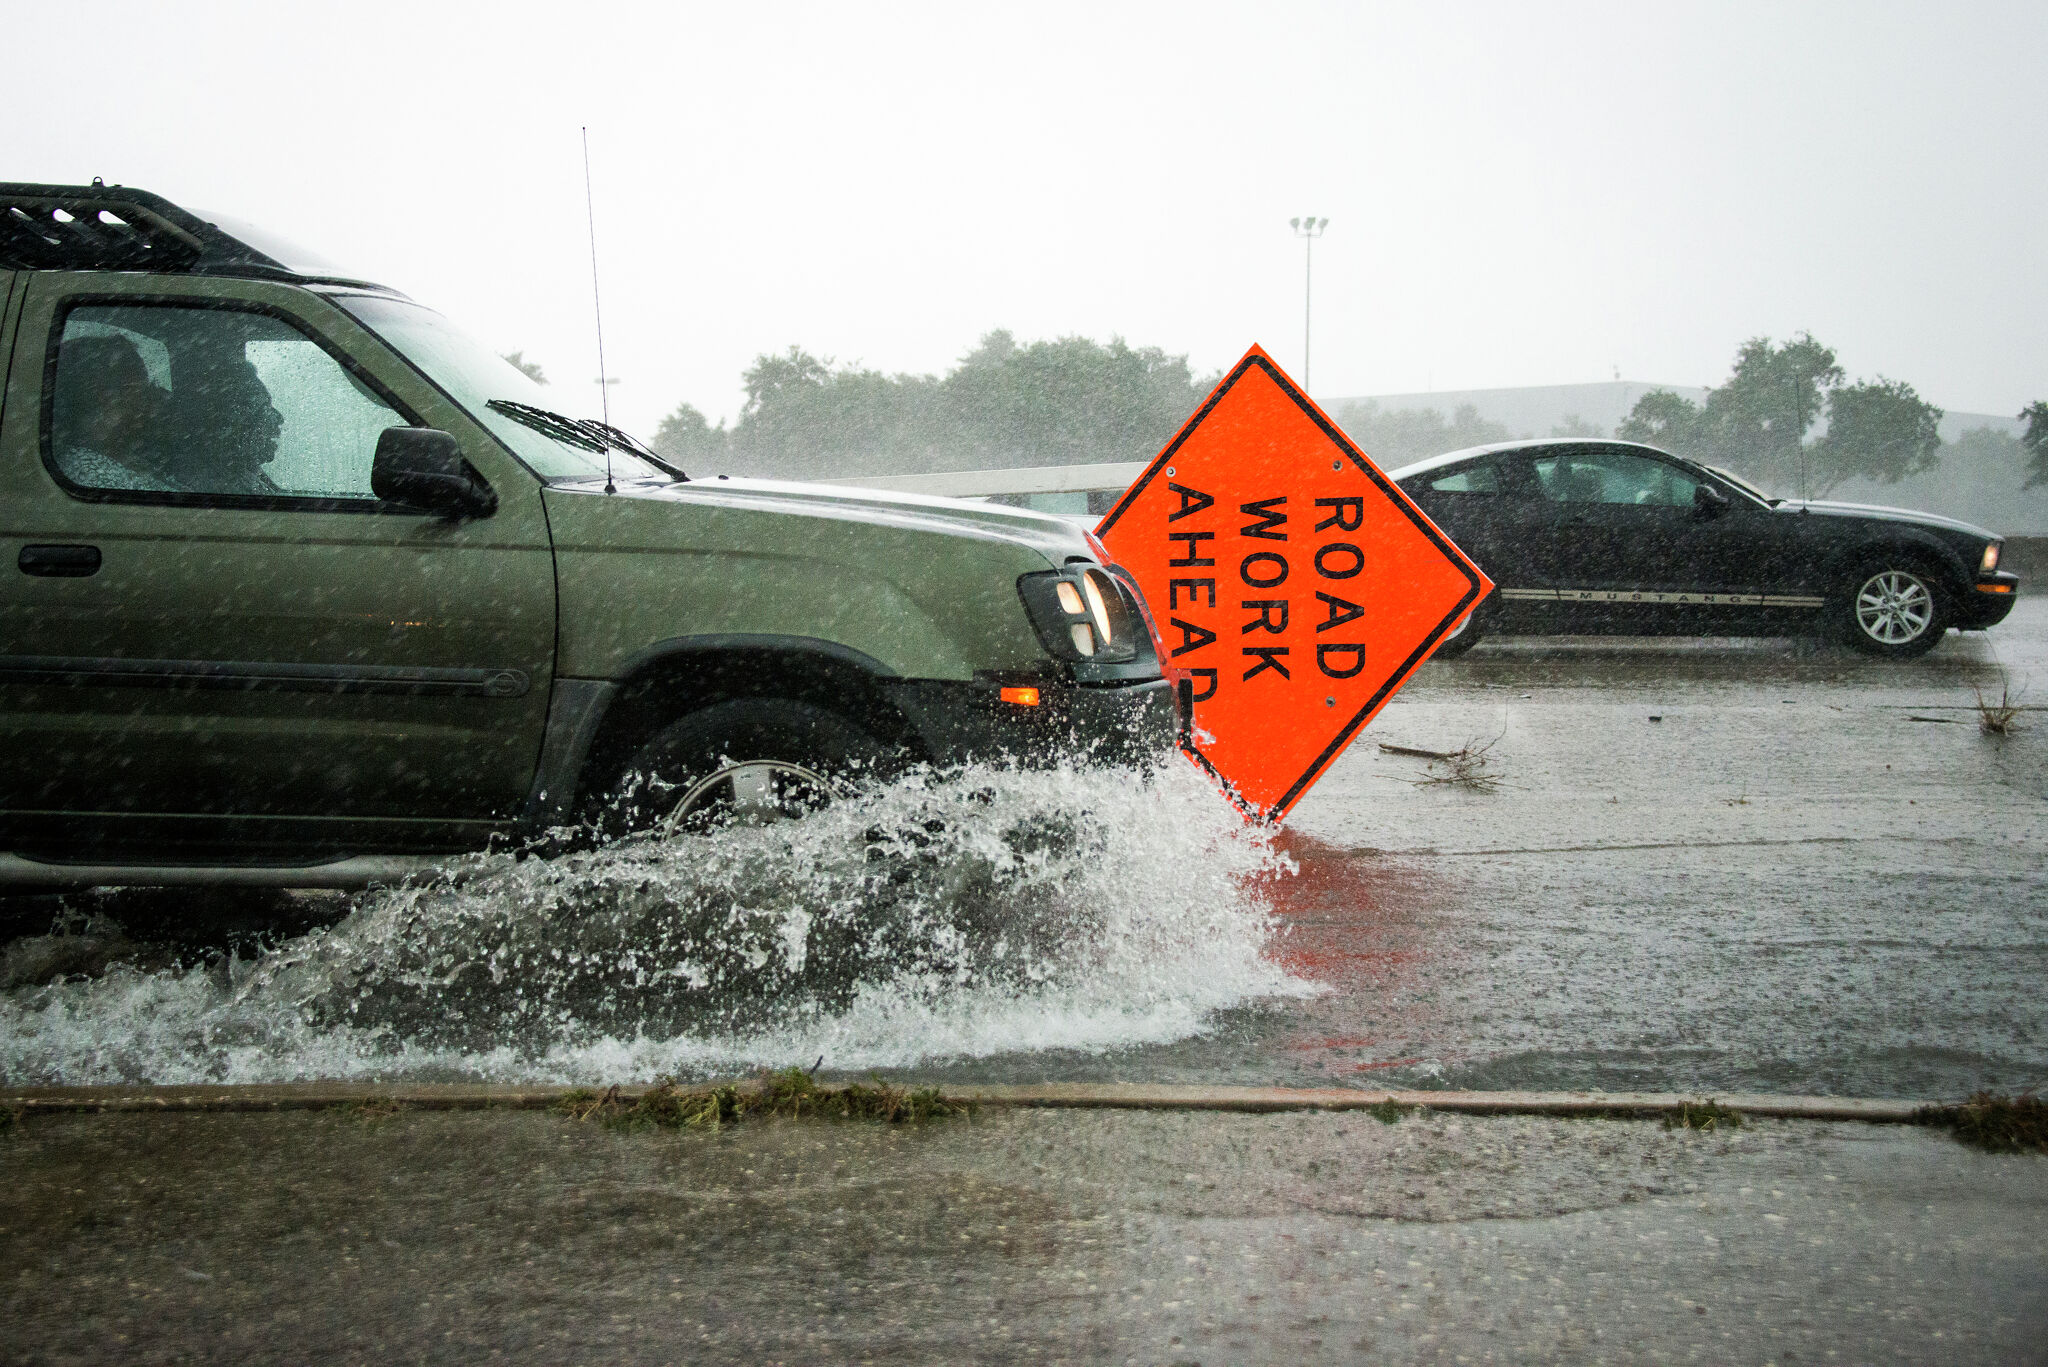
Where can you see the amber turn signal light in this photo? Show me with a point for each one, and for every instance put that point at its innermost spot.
(1994, 588)
(1023, 697)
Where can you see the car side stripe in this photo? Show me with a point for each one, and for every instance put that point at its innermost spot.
(1689, 598)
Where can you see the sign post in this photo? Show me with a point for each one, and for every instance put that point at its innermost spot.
(1294, 586)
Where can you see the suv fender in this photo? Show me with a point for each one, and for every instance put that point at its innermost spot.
(594, 724)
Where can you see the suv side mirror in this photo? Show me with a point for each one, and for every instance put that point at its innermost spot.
(1707, 501)
(422, 467)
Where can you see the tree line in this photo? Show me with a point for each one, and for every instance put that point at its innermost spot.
(1766, 423)
(1787, 417)
(1069, 401)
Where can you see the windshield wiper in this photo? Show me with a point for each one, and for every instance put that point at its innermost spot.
(626, 441)
(565, 430)
(586, 434)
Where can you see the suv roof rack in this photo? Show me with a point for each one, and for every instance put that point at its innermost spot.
(117, 228)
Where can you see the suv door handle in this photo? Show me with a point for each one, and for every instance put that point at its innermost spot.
(60, 562)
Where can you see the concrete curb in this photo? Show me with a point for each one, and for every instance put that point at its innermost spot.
(1267, 1099)
(313, 1096)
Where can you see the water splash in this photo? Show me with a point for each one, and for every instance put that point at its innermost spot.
(939, 918)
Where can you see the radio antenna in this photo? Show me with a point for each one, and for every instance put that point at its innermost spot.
(604, 388)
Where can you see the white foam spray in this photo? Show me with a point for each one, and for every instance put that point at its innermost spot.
(934, 920)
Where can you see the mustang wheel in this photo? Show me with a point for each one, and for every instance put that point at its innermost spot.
(1462, 638)
(749, 762)
(1895, 610)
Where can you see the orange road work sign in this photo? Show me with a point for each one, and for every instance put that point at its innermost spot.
(1294, 586)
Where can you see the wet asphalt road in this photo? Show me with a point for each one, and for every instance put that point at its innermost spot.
(1708, 866)
(1786, 883)
(1012, 1237)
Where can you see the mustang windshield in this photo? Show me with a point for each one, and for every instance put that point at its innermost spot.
(1739, 482)
(500, 396)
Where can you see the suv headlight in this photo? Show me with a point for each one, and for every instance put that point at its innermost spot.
(1990, 561)
(1081, 613)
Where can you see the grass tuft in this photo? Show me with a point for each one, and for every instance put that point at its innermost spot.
(788, 1093)
(1998, 718)
(877, 1100)
(372, 1110)
(577, 1103)
(1388, 1112)
(1993, 1123)
(1703, 1115)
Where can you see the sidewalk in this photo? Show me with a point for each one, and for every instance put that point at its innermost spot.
(1014, 1236)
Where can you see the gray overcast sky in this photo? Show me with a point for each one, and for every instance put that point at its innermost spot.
(1517, 194)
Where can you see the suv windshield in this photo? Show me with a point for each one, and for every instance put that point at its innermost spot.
(474, 377)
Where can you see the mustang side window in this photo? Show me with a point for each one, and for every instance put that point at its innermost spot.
(1480, 477)
(219, 402)
(1613, 477)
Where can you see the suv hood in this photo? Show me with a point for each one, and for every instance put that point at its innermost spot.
(1052, 536)
(1875, 513)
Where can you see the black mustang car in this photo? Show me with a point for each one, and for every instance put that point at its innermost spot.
(1608, 537)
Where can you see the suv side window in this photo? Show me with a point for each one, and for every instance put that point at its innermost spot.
(1613, 477)
(218, 403)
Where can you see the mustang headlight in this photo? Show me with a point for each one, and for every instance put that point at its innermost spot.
(1080, 613)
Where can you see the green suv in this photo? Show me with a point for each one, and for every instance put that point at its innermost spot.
(309, 588)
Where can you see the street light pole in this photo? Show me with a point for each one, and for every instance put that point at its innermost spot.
(1308, 230)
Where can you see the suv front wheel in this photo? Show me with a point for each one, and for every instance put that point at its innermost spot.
(750, 761)
(1895, 610)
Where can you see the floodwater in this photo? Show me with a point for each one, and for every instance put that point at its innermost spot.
(1703, 866)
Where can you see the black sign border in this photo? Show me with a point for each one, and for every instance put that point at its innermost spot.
(1257, 358)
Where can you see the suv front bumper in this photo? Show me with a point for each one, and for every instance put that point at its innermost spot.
(958, 723)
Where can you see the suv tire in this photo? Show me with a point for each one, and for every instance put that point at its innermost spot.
(752, 759)
(1893, 608)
